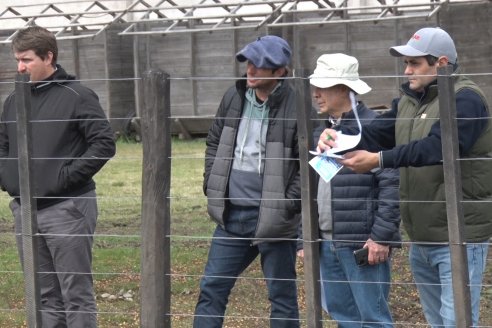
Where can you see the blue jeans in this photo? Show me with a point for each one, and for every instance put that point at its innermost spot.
(228, 257)
(431, 269)
(355, 296)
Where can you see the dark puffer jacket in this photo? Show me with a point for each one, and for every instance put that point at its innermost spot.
(364, 205)
(281, 191)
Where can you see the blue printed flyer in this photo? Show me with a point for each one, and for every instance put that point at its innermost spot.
(327, 167)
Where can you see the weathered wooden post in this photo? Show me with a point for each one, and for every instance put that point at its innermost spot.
(454, 209)
(28, 204)
(309, 216)
(155, 285)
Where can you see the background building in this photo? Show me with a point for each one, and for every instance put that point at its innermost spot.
(109, 44)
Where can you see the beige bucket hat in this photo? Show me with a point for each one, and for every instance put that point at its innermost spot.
(333, 69)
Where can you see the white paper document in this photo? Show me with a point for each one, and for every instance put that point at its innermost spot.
(344, 142)
(325, 163)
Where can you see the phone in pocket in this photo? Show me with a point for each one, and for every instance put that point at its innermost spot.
(362, 256)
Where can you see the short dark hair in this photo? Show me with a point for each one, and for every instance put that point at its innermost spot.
(37, 39)
(431, 60)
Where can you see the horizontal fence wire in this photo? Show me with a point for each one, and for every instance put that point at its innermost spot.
(115, 237)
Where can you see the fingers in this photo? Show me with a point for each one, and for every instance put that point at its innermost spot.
(377, 258)
(327, 139)
(349, 155)
(377, 253)
(360, 161)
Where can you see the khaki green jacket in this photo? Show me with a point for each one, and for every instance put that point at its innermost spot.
(423, 207)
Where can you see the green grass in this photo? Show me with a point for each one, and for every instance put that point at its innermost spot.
(11, 288)
(117, 242)
(117, 251)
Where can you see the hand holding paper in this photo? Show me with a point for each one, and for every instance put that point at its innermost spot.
(344, 142)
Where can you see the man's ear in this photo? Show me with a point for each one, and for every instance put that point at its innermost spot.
(279, 72)
(442, 61)
(49, 57)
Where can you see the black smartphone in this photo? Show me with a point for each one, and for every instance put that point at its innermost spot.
(361, 256)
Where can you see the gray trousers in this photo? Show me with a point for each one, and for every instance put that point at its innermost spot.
(65, 259)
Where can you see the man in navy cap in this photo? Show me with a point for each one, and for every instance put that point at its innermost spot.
(252, 183)
(409, 137)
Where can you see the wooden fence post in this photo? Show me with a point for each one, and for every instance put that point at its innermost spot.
(452, 181)
(155, 289)
(28, 205)
(309, 215)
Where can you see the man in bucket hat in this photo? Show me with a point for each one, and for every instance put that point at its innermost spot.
(356, 211)
(252, 183)
(409, 137)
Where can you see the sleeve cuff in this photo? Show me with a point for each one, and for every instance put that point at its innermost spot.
(386, 159)
(380, 163)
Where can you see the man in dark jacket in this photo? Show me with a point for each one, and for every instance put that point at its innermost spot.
(409, 137)
(252, 183)
(71, 141)
(356, 211)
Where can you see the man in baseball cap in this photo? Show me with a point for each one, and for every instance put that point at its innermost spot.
(412, 127)
(252, 184)
(427, 49)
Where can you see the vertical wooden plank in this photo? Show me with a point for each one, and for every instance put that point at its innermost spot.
(236, 72)
(309, 215)
(193, 54)
(397, 60)
(136, 73)
(348, 39)
(76, 54)
(452, 181)
(156, 218)
(28, 204)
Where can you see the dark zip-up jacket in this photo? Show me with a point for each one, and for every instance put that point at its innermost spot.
(363, 205)
(281, 192)
(71, 140)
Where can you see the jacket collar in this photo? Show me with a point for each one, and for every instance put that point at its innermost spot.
(58, 76)
(430, 91)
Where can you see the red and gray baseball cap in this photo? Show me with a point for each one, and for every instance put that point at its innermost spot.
(428, 41)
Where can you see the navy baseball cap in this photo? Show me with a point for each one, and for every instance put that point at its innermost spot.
(267, 51)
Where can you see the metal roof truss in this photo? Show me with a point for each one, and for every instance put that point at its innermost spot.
(144, 17)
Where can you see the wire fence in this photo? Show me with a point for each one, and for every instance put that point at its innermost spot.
(118, 241)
